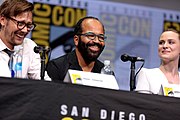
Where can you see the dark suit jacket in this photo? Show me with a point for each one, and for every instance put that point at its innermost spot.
(57, 68)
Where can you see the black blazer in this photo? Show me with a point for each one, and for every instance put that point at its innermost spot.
(57, 68)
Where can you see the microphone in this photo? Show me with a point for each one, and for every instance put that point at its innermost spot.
(38, 49)
(126, 58)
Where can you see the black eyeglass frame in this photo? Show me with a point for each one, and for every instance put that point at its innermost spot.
(92, 36)
(22, 24)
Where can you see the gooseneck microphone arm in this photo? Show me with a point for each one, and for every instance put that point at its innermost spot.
(132, 59)
(43, 50)
(132, 77)
(43, 66)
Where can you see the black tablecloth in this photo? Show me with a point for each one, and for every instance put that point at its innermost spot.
(22, 99)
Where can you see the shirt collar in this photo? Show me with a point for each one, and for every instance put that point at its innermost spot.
(2, 45)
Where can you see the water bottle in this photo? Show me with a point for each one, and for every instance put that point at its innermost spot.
(107, 68)
(18, 63)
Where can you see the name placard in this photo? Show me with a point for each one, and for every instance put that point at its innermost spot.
(171, 90)
(91, 79)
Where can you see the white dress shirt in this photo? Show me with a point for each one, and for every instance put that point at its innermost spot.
(151, 80)
(31, 62)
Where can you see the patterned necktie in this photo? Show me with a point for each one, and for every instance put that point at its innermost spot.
(10, 62)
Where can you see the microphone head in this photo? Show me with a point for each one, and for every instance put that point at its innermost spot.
(124, 57)
(37, 49)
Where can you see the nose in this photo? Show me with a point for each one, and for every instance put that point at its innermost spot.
(96, 39)
(165, 45)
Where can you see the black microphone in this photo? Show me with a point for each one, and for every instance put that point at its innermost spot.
(126, 58)
(38, 49)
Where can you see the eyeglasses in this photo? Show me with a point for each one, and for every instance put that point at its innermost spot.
(92, 36)
(21, 24)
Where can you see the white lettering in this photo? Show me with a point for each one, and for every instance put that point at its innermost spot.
(63, 110)
(142, 117)
(121, 115)
(103, 114)
(131, 116)
(112, 115)
(74, 111)
(85, 112)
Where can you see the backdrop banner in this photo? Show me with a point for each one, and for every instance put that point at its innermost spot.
(22, 99)
(130, 29)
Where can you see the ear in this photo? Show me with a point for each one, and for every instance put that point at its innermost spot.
(2, 20)
(76, 40)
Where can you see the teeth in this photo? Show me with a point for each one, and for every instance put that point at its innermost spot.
(20, 35)
(94, 47)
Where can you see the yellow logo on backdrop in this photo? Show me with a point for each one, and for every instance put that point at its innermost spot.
(46, 15)
(171, 24)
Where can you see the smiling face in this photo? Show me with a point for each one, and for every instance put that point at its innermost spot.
(90, 49)
(169, 46)
(10, 34)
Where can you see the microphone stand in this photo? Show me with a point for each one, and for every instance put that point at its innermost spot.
(43, 58)
(132, 76)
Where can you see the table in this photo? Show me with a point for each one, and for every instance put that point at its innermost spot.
(22, 99)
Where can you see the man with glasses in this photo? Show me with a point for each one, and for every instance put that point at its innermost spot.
(89, 40)
(15, 24)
